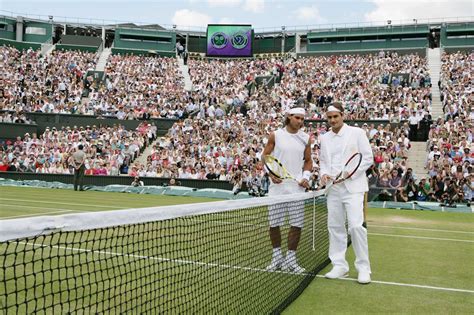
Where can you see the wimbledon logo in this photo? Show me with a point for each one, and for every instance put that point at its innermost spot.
(219, 40)
(239, 40)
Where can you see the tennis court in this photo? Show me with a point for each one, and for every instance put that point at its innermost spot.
(422, 261)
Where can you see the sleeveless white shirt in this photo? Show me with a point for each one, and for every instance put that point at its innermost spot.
(289, 150)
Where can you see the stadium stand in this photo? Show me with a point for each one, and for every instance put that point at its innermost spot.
(48, 84)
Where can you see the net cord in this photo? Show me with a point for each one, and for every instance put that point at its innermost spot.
(42, 225)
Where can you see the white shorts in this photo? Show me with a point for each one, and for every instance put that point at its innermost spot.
(295, 210)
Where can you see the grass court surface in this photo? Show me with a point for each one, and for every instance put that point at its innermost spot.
(421, 261)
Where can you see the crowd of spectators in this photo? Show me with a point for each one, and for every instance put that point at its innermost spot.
(456, 85)
(109, 150)
(450, 149)
(366, 84)
(234, 114)
(15, 118)
(53, 83)
(139, 87)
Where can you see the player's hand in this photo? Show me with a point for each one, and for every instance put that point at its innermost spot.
(275, 179)
(304, 183)
(325, 179)
(343, 177)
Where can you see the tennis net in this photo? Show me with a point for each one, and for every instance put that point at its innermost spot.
(209, 257)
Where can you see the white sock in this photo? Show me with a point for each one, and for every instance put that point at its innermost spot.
(276, 253)
(291, 256)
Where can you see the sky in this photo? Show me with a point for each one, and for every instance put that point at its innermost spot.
(261, 14)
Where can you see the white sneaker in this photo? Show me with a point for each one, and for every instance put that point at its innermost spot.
(292, 266)
(275, 264)
(336, 273)
(364, 277)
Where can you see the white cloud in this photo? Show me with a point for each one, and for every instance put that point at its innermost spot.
(308, 14)
(223, 3)
(187, 17)
(254, 6)
(418, 9)
(226, 20)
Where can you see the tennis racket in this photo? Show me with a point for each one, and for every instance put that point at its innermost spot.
(274, 167)
(351, 166)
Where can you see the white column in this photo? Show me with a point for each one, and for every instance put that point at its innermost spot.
(19, 28)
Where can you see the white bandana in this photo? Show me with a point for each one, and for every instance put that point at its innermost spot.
(333, 109)
(296, 111)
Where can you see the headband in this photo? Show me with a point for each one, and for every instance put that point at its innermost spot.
(296, 111)
(333, 109)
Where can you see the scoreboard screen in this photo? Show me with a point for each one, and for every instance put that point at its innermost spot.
(229, 40)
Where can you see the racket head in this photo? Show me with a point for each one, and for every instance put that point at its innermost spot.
(349, 169)
(351, 166)
(274, 167)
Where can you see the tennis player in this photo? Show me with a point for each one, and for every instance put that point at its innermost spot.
(345, 199)
(291, 146)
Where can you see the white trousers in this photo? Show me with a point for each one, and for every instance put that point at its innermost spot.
(341, 205)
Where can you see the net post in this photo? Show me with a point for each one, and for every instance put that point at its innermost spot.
(314, 223)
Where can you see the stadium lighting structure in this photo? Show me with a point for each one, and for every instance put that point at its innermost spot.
(415, 21)
(283, 27)
(50, 17)
(389, 22)
(174, 26)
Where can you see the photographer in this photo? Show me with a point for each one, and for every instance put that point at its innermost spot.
(237, 182)
(467, 188)
(137, 182)
(400, 195)
(411, 190)
(265, 184)
(254, 184)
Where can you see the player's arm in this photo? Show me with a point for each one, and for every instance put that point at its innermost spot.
(367, 155)
(307, 166)
(323, 164)
(267, 151)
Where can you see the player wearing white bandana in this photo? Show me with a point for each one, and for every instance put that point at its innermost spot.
(291, 146)
(345, 200)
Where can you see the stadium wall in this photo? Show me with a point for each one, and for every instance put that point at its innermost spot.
(19, 45)
(457, 35)
(11, 130)
(116, 180)
(129, 51)
(76, 47)
(44, 120)
(142, 39)
(400, 51)
(36, 38)
(369, 38)
(9, 26)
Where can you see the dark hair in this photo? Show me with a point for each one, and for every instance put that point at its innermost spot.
(339, 106)
(287, 119)
(80, 147)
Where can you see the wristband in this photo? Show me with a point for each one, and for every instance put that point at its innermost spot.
(307, 175)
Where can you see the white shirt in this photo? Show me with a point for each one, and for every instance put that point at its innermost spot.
(289, 150)
(335, 151)
(413, 120)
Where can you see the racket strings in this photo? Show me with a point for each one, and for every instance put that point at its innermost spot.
(351, 166)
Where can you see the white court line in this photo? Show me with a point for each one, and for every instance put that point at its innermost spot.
(423, 237)
(35, 214)
(419, 229)
(60, 203)
(181, 261)
(409, 285)
(377, 234)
